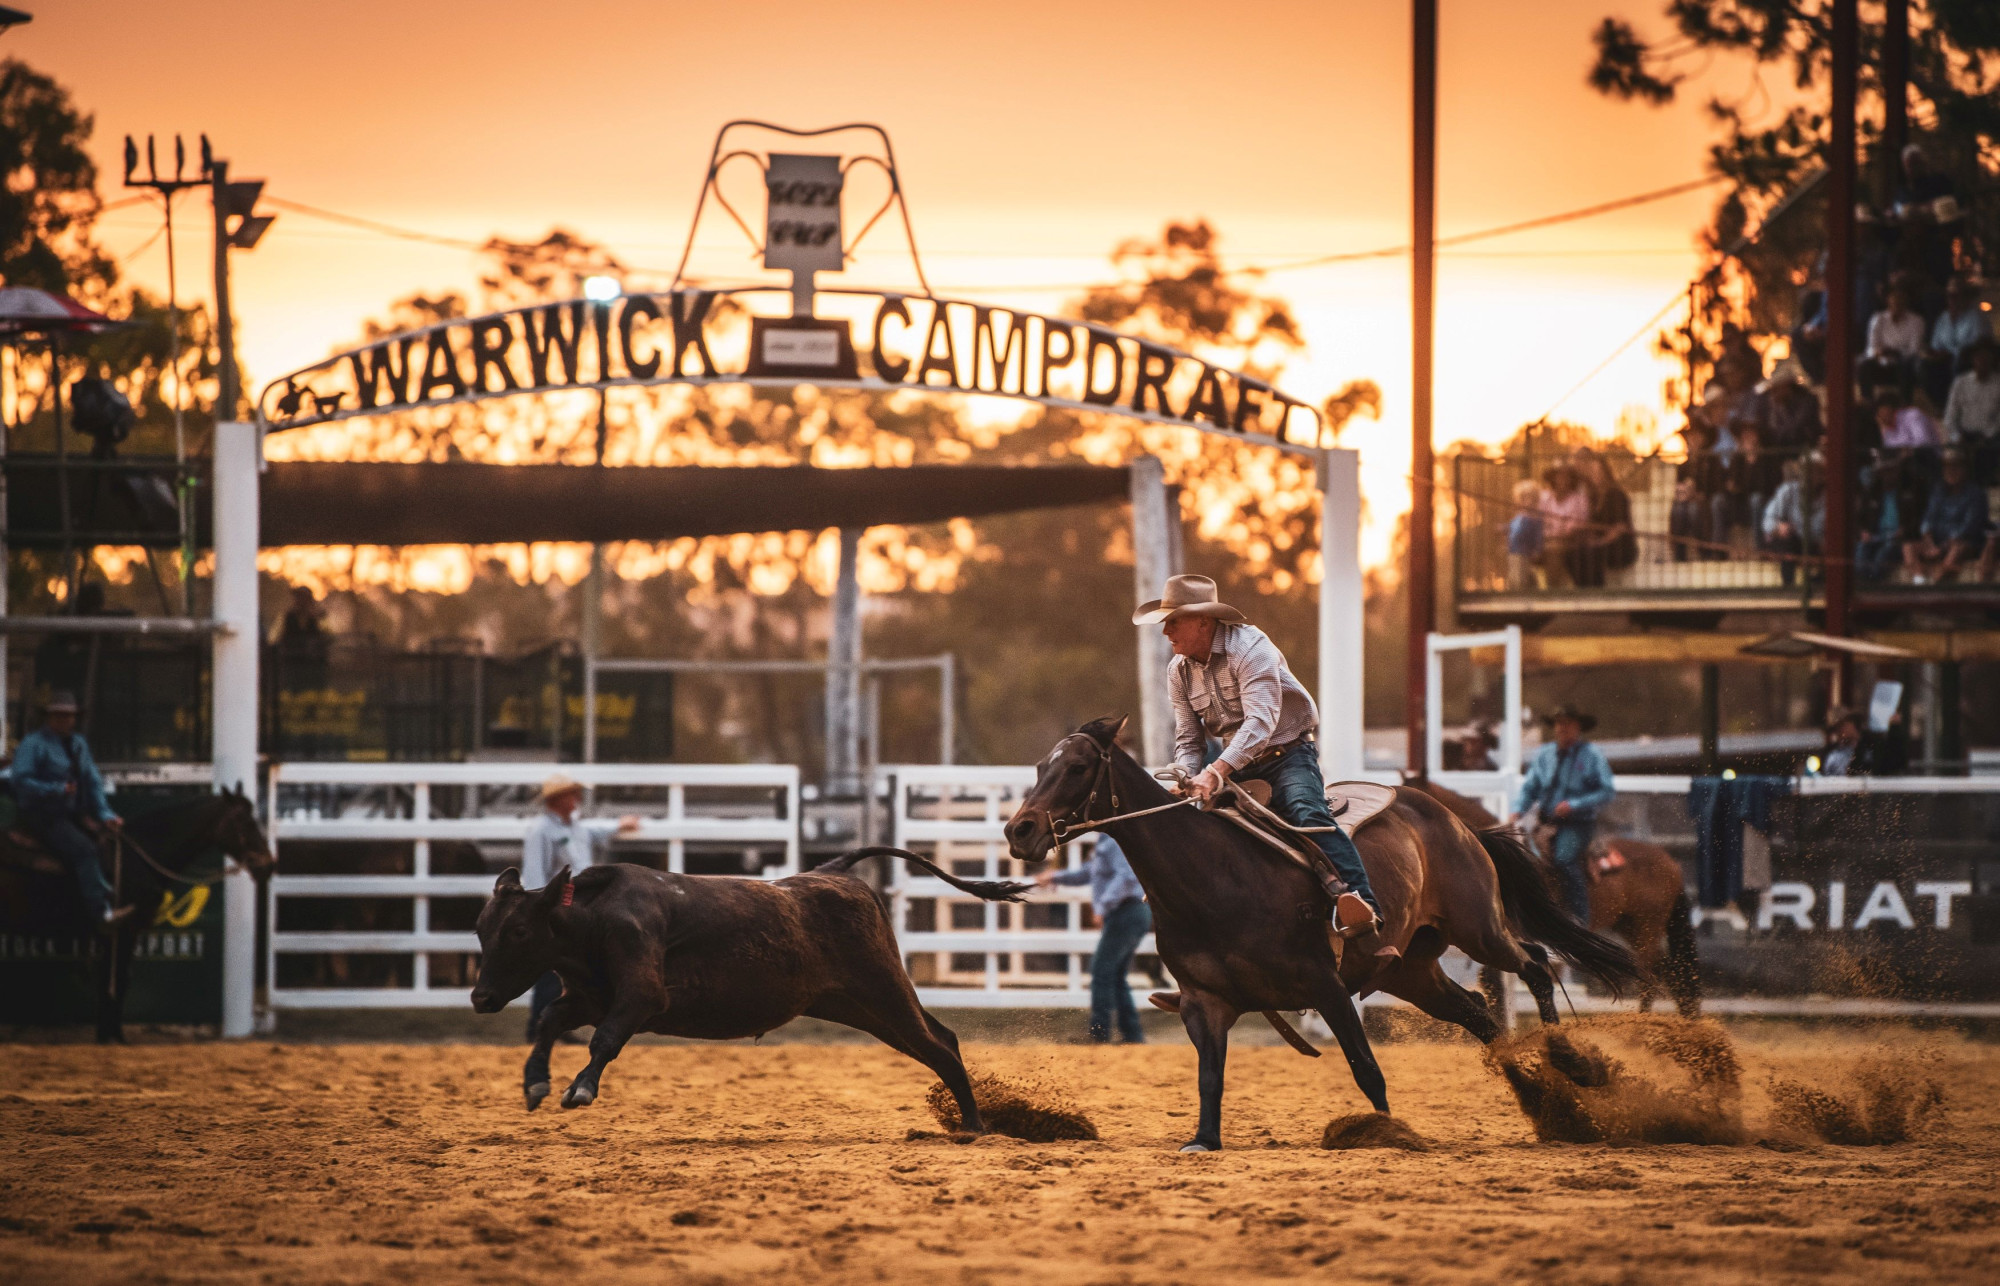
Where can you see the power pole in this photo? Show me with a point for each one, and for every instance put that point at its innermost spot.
(1422, 584)
(1838, 545)
(237, 227)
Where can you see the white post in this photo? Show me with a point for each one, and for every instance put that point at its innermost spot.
(843, 674)
(593, 646)
(1433, 703)
(233, 682)
(1510, 734)
(1152, 551)
(1340, 616)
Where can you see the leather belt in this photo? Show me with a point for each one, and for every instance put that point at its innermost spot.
(1274, 752)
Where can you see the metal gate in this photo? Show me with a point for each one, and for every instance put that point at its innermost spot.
(384, 866)
(964, 953)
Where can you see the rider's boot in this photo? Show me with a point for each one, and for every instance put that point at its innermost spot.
(1357, 922)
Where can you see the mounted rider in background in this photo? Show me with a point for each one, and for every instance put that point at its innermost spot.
(1229, 681)
(60, 796)
(1567, 784)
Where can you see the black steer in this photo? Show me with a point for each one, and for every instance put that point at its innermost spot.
(712, 957)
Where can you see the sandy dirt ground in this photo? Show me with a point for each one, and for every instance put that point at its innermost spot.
(355, 1163)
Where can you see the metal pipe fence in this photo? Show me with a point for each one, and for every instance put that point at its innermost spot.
(383, 867)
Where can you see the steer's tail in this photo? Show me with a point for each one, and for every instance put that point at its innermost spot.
(990, 890)
(1530, 898)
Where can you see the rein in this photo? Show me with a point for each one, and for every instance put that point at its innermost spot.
(124, 841)
(1064, 830)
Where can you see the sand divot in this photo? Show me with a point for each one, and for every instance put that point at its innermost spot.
(1673, 1080)
(1371, 1130)
(1889, 1098)
(1031, 1110)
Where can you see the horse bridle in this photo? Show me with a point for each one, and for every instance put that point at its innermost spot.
(1059, 827)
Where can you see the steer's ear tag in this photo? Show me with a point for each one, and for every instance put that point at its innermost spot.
(569, 893)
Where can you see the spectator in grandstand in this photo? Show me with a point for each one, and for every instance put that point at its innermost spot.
(1120, 904)
(1607, 544)
(1794, 525)
(1565, 517)
(1893, 499)
(1692, 520)
(1895, 341)
(1901, 425)
(558, 838)
(1962, 324)
(1808, 335)
(1957, 526)
(1731, 398)
(1921, 211)
(1793, 422)
(1972, 413)
(1567, 783)
(1749, 482)
(1524, 536)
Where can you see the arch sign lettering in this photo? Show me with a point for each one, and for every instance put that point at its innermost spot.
(802, 334)
(695, 337)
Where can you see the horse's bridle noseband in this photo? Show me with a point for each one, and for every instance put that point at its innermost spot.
(1104, 775)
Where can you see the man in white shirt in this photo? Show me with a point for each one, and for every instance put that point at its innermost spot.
(555, 839)
(1972, 412)
(1228, 680)
(1895, 340)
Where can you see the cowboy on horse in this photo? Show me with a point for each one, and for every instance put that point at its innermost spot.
(60, 795)
(1228, 680)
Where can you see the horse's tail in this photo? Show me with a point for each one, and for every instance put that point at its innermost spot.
(1529, 895)
(988, 890)
(1683, 969)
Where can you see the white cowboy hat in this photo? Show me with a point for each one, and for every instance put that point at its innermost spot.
(1187, 596)
(560, 784)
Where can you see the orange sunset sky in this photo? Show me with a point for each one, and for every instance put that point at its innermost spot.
(1032, 136)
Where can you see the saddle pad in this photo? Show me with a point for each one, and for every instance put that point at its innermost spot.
(1355, 802)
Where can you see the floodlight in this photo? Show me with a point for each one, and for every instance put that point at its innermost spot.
(602, 289)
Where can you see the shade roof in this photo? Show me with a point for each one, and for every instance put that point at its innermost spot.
(458, 503)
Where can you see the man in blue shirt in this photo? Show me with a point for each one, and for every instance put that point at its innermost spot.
(1120, 903)
(1566, 785)
(60, 794)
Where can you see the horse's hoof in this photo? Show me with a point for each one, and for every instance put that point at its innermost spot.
(1198, 1146)
(579, 1096)
(536, 1093)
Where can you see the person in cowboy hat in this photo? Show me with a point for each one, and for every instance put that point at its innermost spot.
(1229, 681)
(555, 839)
(60, 795)
(1567, 784)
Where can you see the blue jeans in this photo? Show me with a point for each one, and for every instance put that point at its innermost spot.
(55, 830)
(1124, 925)
(1569, 851)
(1298, 794)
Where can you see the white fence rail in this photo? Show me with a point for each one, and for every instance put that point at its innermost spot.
(393, 803)
(961, 952)
(956, 815)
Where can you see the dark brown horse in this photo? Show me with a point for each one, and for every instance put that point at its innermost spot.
(161, 848)
(1245, 929)
(1637, 891)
